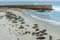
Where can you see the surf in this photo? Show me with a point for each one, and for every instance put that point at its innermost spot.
(47, 20)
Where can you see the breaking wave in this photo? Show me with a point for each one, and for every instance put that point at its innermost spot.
(56, 8)
(47, 20)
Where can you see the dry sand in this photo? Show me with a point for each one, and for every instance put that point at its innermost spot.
(11, 31)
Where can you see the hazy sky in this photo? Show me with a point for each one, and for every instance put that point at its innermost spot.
(30, 0)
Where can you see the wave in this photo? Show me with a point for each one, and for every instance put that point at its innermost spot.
(56, 8)
(49, 21)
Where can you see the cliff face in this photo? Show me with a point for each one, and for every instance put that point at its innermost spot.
(45, 7)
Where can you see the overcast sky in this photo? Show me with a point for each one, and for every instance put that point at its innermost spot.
(30, 0)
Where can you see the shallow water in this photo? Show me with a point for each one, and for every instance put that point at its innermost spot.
(51, 16)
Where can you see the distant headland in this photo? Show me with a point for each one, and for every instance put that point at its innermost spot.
(34, 7)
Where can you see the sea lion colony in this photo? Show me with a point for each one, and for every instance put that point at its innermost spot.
(24, 29)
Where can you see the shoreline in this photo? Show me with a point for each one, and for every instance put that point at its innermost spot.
(51, 29)
(46, 25)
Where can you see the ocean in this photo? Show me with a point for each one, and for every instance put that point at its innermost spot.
(52, 16)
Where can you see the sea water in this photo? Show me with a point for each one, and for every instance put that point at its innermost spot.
(52, 16)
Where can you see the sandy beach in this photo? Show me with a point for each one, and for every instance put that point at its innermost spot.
(10, 30)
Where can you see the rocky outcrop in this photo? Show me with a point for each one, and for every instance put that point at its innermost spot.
(38, 7)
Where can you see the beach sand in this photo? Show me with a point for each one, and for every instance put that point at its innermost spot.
(11, 31)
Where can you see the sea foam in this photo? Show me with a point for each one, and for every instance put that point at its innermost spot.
(56, 8)
(48, 21)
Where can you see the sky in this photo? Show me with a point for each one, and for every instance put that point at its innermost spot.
(14, 2)
(29, 0)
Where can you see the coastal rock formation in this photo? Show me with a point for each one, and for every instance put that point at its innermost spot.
(34, 7)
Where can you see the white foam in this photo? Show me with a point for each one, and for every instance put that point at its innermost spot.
(49, 21)
(56, 8)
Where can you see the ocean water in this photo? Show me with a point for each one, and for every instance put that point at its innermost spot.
(52, 17)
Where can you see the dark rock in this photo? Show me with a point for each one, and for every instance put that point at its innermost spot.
(41, 10)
